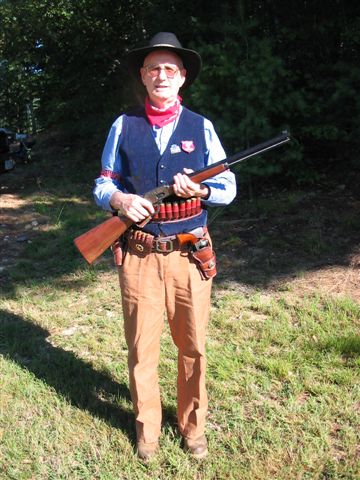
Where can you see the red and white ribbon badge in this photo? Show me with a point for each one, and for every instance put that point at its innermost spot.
(188, 146)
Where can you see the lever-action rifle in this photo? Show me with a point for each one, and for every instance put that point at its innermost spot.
(94, 242)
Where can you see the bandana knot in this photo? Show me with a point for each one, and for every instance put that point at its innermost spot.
(159, 116)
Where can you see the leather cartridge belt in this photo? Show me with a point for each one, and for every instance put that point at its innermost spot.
(168, 211)
(144, 243)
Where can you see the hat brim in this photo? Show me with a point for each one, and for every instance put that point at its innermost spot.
(190, 59)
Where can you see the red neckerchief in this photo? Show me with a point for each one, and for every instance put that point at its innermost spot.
(159, 117)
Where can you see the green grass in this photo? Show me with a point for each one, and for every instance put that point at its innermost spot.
(283, 374)
(283, 381)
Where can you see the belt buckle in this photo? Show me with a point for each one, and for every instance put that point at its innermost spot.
(164, 246)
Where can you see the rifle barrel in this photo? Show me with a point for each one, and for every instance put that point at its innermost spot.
(260, 148)
(199, 175)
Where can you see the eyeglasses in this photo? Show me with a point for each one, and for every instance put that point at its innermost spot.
(155, 70)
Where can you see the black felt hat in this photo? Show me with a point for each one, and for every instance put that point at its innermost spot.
(168, 41)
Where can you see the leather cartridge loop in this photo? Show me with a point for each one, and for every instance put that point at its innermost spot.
(170, 211)
(144, 243)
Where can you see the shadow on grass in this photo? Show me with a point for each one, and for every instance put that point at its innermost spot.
(349, 346)
(74, 379)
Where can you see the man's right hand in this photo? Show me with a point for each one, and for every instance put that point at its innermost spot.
(132, 206)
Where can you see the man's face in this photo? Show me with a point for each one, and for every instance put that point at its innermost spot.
(162, 74)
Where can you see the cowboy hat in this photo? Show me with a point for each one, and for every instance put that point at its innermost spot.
(168, 41)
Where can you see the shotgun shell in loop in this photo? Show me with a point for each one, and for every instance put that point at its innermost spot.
(188, 207)
(162, 214)
(168, 211)
(175, 208)
(182, 210)
(193, 206)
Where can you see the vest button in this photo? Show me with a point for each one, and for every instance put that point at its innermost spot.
(162, 167)
(162, 181)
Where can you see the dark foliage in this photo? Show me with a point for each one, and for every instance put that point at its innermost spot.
(268, 66)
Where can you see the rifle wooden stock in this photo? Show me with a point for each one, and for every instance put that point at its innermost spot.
(93, 243)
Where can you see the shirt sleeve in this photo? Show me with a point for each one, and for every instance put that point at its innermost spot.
(109, 180)
(222, 186)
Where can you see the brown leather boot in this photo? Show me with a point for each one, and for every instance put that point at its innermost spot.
(196, 447)
(146, 451)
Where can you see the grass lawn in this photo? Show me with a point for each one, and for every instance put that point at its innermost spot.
(283, 362)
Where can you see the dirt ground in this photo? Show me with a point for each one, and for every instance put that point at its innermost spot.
(335, 275)
(19, 222)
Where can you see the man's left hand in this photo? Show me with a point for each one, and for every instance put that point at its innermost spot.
(184, 187)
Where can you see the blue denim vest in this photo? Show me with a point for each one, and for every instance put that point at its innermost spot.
(144, 168)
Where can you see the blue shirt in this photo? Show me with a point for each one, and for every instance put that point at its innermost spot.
(222, 187)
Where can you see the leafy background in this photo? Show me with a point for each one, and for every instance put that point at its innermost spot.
(268, 66)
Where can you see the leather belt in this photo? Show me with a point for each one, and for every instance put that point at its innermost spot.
(145, 243)
(165, 244)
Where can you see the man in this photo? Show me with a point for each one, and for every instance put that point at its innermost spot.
(149, 147)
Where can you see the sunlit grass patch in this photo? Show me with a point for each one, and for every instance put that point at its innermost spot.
(283, 368)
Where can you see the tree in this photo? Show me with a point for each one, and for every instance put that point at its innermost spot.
(268, 65)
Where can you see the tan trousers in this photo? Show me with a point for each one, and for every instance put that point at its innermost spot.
(151, 286)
